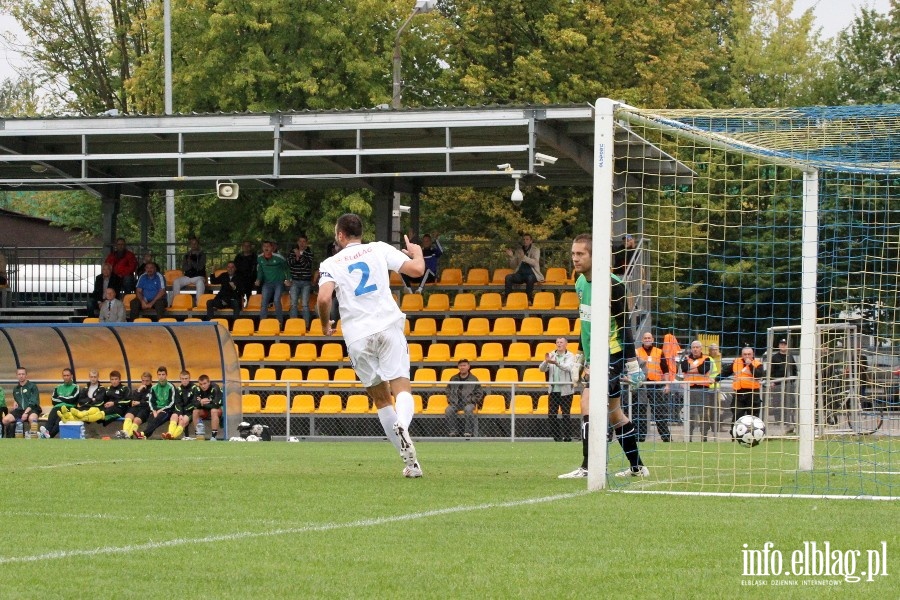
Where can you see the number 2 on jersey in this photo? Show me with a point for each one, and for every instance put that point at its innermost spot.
(362, 288)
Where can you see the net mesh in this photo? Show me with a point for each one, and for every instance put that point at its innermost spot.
(718, 259)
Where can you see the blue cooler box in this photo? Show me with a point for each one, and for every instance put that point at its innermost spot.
(71, 430)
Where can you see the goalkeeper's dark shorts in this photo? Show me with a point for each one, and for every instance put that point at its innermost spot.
(616, 368)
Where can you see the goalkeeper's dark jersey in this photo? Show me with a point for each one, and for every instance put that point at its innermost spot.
(214, 394)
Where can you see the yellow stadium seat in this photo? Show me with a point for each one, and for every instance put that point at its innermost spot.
(490, 301)
(268, 327)
(519, 352)
(303, 404)
(396, 279)
(576, 404)
(494, 404)
(126, 300)
(573, 347)
(245, 374)
(251, 403)
(451, 327)
(201, 302)
(567, 301)
(558, 326)
(275, 403)
(142, 320)
(499, 276)
(504, 326)
(415, 352)
(424, 326)
(477, 276)
(576, 327)
(541, 349)
(264, 377)
(253, 352)
(345, 377)
(315, 328)
(357, 404)
(491, 352)
(168, 320)
(478, 327)
(438, 303)
(294, 327)
(406, 327)
(482, 374)
(438, 352)
(506, 375)
(181, 303)
(242, 327)
(448, 372)
(291, 375)
(516, 301)
(417, 403)
(91, 320)
(533, 378)
(437, 404)
(223, 322)
(465, 350)
(305, 352)
(531, 326)
(412, 303)
(543, 301)
(451, 276)
(254, 303)
(317, 377)
(330, 404)
(192, 320)
(543, 405)
(279, 351)
(556, 276)
(331, 352)
(171, 275)
(522, 405)
(424, 374)
(464, 301)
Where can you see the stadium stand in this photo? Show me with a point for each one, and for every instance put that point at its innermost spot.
(492, 301)
(477, 277)
(504, 327)
(478, 327)
(279, 352)
(517, 301)
(464, 301)
(242, 327)
(251, 403)
(275, 404)
(294, 327)
(330, 404)
(303, 404)
(268, 327)
(438, 352)
(424, 326)
(438, 302)
(306, 352)
(451, 327)
(412, 303)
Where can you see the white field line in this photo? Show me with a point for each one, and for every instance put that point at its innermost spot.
(114, 461)
(243, 535)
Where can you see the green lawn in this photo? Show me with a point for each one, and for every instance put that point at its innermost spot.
(124, 519)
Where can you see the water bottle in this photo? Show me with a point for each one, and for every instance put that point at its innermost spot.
(20, 430)
(201, 430)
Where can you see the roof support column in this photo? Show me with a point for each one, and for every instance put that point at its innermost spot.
(110, 209)
(384, 201)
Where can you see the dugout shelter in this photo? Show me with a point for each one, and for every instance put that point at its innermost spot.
(131, 348)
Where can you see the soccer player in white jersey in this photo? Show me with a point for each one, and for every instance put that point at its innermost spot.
(373, 324)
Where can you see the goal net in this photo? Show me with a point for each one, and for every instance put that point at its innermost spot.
(785, 230)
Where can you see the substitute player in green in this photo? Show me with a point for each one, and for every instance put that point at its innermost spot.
(622, 361)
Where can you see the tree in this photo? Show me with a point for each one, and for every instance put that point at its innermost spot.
(868, 58)
(19, 97)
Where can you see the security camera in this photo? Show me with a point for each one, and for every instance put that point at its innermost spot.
(516, 195)
(505, 167)
(545, 158)
(227, 190)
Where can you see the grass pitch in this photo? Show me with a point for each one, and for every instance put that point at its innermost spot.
(336, 520)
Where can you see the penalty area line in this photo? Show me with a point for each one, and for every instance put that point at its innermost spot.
(244, 535)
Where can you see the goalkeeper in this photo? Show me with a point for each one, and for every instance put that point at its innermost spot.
(622, 362)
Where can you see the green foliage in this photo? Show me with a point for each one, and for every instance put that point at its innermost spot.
(867, 55)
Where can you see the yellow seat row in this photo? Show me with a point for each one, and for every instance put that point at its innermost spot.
(489, 301)
(479, 276)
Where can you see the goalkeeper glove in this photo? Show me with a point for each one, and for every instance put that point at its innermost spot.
(633, 372)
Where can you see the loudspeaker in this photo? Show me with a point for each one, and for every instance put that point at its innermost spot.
(227, 190)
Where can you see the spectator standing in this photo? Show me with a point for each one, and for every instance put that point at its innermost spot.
(373, 324)
(525, 261)
(300, 261)
(231, 292)
(27, 404)
(782, 380)
(123, 263)
(245, 266)
(562, 370)
(431, 252)
(747, 372)
(695, 368)
(654, 391)
(464, 394)
(193, 267)
(105, 280)
(272, 274)
(150, 293)
(111, 309)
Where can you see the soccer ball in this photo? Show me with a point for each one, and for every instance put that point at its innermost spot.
(749, 431)
(252, 438)
(257, 430)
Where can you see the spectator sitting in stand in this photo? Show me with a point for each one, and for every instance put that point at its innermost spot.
(431, 252)
(231, 292)
(123, 263)
(194, 268)
(106, 279)
(526, 264)
(111, 309)
(150, 293)
(464, 394)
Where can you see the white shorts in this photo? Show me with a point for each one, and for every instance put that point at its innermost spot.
(382, 356)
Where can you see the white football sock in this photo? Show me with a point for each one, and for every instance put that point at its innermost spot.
(405, 409)
(388, 416)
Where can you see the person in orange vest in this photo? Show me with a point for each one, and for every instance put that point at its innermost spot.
(695, 368)
(748, 373)
(653, 391)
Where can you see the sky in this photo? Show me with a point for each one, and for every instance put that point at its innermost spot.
(831, 15)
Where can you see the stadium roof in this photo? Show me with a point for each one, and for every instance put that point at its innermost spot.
(383, 150)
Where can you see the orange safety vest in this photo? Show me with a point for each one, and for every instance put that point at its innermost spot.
(743, 375)
(694, 377)
(652, 360)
